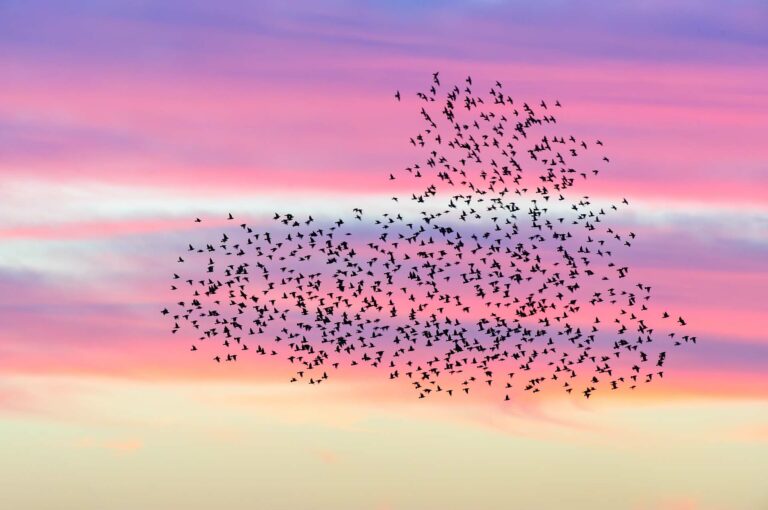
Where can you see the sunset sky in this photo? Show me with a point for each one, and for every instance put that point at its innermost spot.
(121, 121)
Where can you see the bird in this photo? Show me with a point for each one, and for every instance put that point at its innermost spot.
(477, 280)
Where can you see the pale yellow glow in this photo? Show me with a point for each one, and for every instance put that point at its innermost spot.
(74, 443)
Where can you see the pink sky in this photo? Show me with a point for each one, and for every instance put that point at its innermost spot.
(120, 122)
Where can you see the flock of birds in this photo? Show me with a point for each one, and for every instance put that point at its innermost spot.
(502, 280)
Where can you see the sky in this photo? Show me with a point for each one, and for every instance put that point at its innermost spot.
(122, 121)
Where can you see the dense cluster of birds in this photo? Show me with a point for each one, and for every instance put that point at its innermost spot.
(502, 279)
